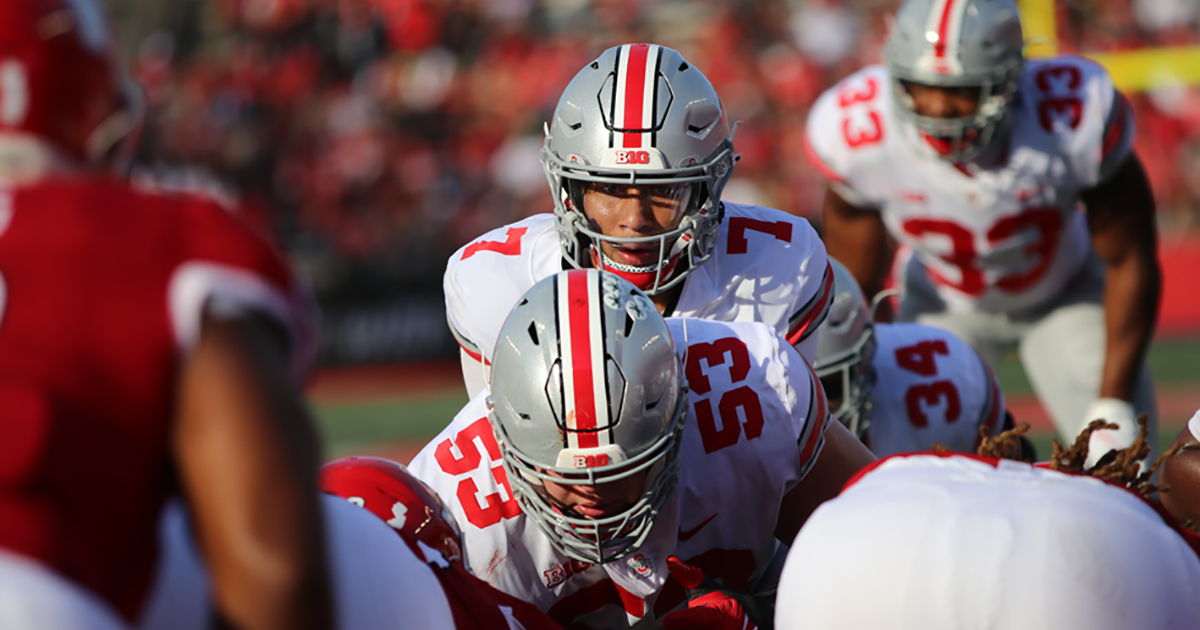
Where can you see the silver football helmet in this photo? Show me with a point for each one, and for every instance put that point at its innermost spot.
(640, 115)
(586, 389)
(957, 43)
(845, 349)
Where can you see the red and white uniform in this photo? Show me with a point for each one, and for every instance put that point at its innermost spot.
(477, 605)
(767, 266)
(996, 240)
(930, 388)
(101, 293)
(958, 541)
(755, 427)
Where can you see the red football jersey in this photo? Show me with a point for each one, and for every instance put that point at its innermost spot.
(101, 294)
(477, 605)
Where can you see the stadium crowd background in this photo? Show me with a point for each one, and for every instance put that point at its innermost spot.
(374, 137)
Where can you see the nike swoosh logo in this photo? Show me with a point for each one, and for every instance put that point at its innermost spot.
(692, 532)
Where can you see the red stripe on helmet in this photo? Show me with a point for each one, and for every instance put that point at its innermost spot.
(635, 93)
(939, 48)
(579, 311)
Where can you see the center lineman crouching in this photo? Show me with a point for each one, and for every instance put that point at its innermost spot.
(613, 439)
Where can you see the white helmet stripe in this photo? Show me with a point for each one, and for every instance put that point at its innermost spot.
(584, 386)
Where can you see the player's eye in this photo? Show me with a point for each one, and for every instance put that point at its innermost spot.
(610, 190)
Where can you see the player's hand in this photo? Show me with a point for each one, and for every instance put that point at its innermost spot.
(709, 607)
(1117, 412)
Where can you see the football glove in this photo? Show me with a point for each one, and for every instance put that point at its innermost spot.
(710, 607)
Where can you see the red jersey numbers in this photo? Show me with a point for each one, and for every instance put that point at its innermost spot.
(1047, 226)
(1037, 229)
(1060, 103)
(487, 510)
(962, 254)
(921, 359)
(511, 246)
(861, 124)
(781, 230)
(737, 407)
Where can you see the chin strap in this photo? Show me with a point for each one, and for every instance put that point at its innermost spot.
(644, 278)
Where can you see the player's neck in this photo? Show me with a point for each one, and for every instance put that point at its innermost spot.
(666, 301)
(995, 154)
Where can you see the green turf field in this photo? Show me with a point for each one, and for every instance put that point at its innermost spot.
(1175, 363)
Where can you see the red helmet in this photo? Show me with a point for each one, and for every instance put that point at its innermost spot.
(390, 492)
(60, 80)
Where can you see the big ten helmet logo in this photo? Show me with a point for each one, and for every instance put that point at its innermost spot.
(590, 461)
(632, 157)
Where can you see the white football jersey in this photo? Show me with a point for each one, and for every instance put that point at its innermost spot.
(930, 388)
(735, 470)
(966, 542)
(767, 266)
(990, 240)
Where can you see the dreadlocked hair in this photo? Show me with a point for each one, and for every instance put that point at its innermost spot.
(1007, 445)
(1118, 466)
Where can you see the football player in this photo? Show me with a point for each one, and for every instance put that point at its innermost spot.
(414, 510)
(960, 541)
(977, 160)
(637, 154)
(612, 440)
(149, 346)
(903, 387)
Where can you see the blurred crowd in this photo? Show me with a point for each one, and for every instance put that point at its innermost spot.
(376, 136)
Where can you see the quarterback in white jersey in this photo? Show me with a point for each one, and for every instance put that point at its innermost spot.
(637, 155)
(977, 162)
(903, 387)
(591, 463)
(957, 541)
